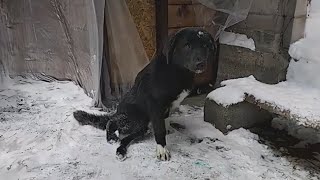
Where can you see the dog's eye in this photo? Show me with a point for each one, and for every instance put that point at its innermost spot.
(206, 46)
(187, 45)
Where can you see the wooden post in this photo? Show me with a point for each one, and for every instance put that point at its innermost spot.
(161, 23)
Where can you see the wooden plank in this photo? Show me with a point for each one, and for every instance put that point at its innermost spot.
(185, 16)
(174, 30)
(181, 16)
(177, 2)
(161, 23)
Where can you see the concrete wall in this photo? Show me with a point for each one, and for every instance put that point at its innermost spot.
(273, 25)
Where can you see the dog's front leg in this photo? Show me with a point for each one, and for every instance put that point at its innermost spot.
(159, 129)
(160, 136)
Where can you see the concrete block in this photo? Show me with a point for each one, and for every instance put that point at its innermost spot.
(298, 28)
(288, 7)
(294, 30)
(265, 41)
(301, 8)
(269, 7)
(241, 115)
(294, 22)
(261, 22)
(238, 62)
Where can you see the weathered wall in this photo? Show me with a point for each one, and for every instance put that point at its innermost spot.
(273, 25)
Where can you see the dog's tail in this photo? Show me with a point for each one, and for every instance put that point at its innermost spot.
(97, 121)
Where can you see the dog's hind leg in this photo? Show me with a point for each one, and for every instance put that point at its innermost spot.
(111, 128)
(124, 143)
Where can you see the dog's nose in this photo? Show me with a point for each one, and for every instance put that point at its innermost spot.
(201, 65)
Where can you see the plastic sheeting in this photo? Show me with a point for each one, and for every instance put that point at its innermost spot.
(92, 42)
(125, 54)
(52, 39)
(63, 39)
(228, 13)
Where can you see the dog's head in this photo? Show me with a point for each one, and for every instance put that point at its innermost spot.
(190, 48)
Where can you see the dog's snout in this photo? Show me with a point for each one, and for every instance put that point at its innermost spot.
(199, 60)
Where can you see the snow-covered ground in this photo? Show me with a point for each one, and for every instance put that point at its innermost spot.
(40, 139)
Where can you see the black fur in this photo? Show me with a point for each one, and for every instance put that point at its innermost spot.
(84, 118)
(155, 88)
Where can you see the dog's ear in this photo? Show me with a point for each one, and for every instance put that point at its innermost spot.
(169, 46)
(209, 36)
(214, 43)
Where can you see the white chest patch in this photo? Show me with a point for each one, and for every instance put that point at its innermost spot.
(175, 104)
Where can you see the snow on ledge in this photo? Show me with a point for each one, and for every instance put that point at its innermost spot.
(234, 39)
(303, 103)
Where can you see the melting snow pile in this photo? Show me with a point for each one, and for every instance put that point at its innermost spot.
(40, 139)
(304, 69)
(235, 39)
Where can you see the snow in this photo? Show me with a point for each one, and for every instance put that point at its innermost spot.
(235, 39)
(40, 139)
(313, 21)
(227, 96)
(305, 68)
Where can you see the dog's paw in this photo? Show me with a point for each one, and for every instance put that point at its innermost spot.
(112, 138)
(121, 153)
(163, 153)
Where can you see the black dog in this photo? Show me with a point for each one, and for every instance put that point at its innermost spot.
(156, 87)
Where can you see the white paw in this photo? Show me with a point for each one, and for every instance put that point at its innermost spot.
(121, 157)
(163, 153)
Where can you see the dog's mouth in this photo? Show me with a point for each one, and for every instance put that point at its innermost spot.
(200, 67)
(198, 71)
